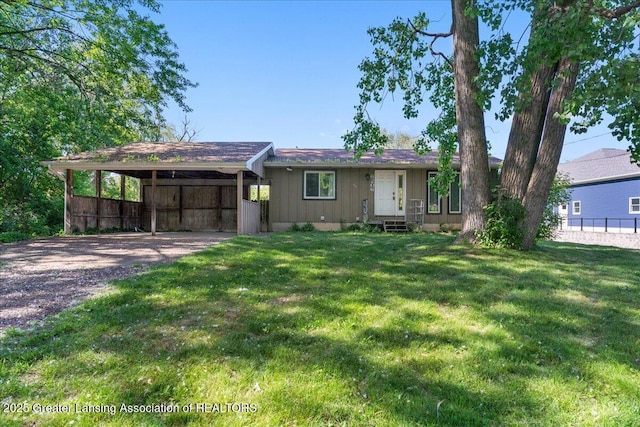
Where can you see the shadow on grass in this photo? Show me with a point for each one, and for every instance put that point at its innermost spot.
(397, 330)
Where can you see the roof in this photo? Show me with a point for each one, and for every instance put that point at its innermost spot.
(606, 164)
(137, 158)
(210, 159)
(343, 158)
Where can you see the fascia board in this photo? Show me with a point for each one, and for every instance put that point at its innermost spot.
(59, 166)
(338, 165)
(251, 161)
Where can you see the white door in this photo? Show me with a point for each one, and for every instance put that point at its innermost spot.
(563, 212)
(389, 193)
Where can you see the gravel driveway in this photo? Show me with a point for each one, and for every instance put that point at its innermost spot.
(42, 277)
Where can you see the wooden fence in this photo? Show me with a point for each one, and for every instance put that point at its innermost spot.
(250, 217)
(103, 214)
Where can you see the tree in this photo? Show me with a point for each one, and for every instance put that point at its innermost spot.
(186, 133)
(472, 141)
(398, 140)
(75, 75)
(562, 80)
(576, 62)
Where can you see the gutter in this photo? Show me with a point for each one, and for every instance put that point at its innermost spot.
(607, 178)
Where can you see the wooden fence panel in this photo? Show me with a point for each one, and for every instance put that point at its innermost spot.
(250, 217)
(193, 208)
(113, 214)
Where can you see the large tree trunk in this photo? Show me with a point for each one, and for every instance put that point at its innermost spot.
(546, 164)
(525, 134)
(528, 120)
(474, 159)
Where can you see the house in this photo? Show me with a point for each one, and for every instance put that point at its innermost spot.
(206, 186)
(328, 187)
(605, 192)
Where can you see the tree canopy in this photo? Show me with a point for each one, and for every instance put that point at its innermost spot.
(76, 75)
(573, 63)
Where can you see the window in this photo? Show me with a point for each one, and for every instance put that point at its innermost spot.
(455, 196)
(319, 185)
(576, 207)
(634, 205)
(400, 192)
(433, 198)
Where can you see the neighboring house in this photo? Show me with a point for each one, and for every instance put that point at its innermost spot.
(208, 186)
(605, 192)
(328, 187)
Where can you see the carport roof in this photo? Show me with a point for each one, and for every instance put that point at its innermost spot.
(194, 158)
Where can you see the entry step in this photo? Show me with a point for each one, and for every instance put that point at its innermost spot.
(395, 226)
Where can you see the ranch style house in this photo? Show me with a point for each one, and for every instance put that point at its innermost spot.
(218, 186)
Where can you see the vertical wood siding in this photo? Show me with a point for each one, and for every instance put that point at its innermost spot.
(250, 217)
(287, 204)
(194, 208)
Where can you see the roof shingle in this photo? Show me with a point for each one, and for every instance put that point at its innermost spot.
(213, 152)
(601, 165)
(323, 156)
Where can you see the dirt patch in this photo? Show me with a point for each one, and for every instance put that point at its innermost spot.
(42, 277)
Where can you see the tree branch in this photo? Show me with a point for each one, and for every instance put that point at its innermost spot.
(435, 37)
(619, 12)
(604, 13)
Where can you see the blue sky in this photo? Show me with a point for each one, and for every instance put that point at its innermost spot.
(286, 71)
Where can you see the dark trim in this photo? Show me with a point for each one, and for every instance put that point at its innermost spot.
(449, 211)
(315, 199)
(440, 198)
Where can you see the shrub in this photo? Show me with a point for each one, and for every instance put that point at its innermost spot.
(560, 193)
(306, 227)
(13, 236)
(294, 227)
(502, 229)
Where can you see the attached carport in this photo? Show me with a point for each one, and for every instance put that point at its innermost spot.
(184, 186)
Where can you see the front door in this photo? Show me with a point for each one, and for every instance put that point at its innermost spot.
(390, 193)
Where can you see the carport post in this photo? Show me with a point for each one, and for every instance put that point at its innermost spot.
(98, 196)
(239, 202)
(154, 176)
(68, 201)
(123, 191)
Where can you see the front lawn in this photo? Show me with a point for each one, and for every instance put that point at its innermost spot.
(329, 329)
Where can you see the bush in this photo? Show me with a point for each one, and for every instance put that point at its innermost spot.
(560, 193)
(306, 227)
(35, 217)
(502, 229)
(13, 236)
(354, 227)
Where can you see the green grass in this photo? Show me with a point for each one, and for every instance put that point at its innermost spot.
(329, 329)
